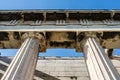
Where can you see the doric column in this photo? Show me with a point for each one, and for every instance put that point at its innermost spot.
(23, 65)
(99, 65)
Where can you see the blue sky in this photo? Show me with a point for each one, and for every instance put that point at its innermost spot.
(57, 4)
(49, 52)
(52, 52)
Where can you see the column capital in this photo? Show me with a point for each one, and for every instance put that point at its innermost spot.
(83, 42)
(35, 35)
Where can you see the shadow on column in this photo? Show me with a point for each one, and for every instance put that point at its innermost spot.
(44, 76)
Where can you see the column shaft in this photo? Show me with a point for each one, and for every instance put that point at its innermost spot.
(99, 65)
(23, 65)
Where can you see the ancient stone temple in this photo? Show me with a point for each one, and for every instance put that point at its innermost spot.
(96, 33)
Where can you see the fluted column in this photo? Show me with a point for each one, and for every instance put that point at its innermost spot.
(99, 65)
(23, 65)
